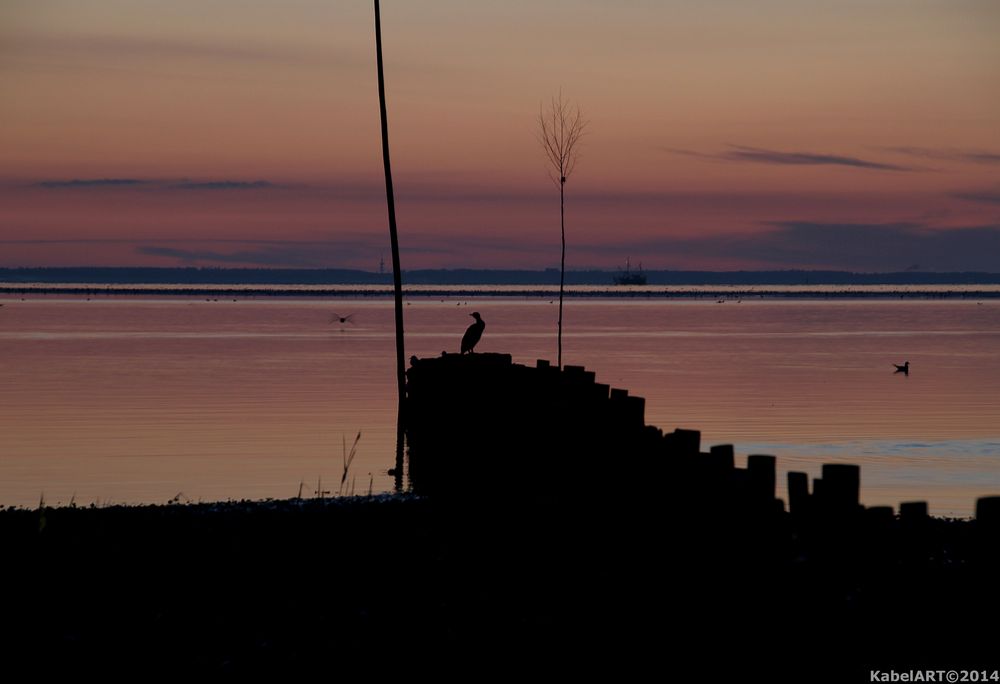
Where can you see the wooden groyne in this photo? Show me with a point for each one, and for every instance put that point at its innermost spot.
(561, 530)
(481, 423)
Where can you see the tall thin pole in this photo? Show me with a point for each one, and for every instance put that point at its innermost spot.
(397, 277)
(562, 260)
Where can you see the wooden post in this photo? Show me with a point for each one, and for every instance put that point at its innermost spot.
(722, 457)
(818, 498)
(798, 492)
(760, 470)
(913, 511)
(988, 530)
(686, 442)
(841, 486)
(626, 412)
(879, 516)
(988, 512)
(636, 411)
(397, 277)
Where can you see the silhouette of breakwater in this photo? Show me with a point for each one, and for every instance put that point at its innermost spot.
(523, 555)
(819, 579)
(481, 423)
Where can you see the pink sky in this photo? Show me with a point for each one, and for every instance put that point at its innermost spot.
(862, 135)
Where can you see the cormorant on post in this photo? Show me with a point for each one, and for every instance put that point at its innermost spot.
(471, 337)
(904, 369)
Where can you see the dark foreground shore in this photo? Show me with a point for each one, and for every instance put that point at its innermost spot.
(398, 585)
(516, 558)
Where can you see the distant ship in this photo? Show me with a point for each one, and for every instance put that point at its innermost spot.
(630, 277)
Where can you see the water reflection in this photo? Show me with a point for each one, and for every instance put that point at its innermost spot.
(130, 399)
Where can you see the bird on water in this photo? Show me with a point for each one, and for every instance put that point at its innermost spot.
(471, 337)
(904, 369)
(336, 317)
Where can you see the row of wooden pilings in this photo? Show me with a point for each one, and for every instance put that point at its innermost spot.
(480, 421)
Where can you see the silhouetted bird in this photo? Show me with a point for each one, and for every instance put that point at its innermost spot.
(905, 368)
(471, 337)
(336, 317)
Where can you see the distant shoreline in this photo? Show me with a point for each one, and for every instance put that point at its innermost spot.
(432, 278)
(720, 293)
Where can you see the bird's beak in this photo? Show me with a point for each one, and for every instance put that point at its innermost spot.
(471, 315)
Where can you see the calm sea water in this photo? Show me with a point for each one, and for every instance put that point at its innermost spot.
(139, 399)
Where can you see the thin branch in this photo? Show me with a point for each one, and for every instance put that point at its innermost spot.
(559, 132)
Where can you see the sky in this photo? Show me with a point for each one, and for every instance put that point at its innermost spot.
(722, 134)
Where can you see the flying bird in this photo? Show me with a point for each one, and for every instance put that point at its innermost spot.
(904, 369)
(337, 318)
(471, 337)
